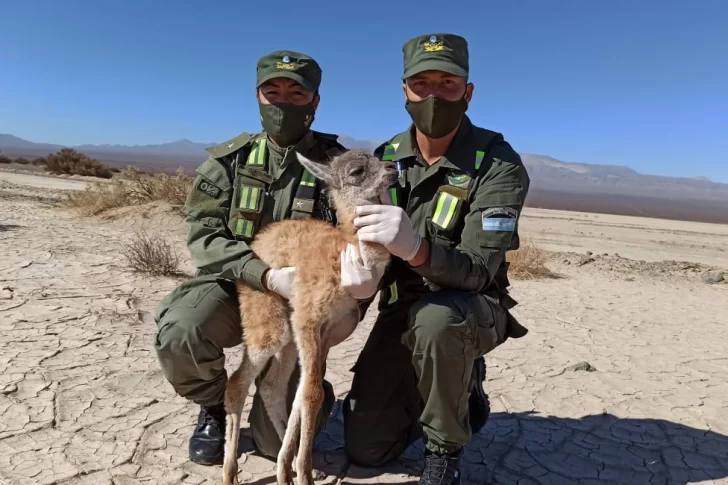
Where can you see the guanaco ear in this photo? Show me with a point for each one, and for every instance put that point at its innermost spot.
(319, 170)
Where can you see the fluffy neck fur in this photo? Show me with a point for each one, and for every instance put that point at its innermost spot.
(374, 254)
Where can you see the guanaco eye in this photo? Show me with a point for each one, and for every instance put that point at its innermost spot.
(357, 172)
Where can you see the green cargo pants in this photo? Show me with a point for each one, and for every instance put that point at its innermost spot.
(411, 378)
(195, 322)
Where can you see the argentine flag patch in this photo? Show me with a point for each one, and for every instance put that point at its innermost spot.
(499, 219)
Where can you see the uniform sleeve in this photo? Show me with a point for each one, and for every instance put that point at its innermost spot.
(491, 227)
(212, 246)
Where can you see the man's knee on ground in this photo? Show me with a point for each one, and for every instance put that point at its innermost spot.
(436, 318)
(179, 330)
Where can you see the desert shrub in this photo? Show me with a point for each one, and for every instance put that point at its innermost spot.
(69, 161)
(529, 261)
(130, 187)
(157, 186)
(5, 159)
(21, 161)
(98, 197)
(151, 255)
(38, 162)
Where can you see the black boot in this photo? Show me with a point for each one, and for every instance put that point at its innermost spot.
(207, 444)
(441, 469)
(478, 401)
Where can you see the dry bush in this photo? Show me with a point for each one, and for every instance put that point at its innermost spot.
(158, 186)
(131, 187)
(151, 255)
(5, 159)
(98, 198)
(69, 161)
(528, 262)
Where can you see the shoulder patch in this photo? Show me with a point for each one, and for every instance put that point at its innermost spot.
(208, 188)
(215, 173)
(230, 146)
(499, 219)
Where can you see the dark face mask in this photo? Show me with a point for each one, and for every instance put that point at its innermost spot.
(286, 123)
(436, 117)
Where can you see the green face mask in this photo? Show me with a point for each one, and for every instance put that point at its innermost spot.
(286, 123)
(436, 117)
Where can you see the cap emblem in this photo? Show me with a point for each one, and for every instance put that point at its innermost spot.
(434, 45)
(286, 64)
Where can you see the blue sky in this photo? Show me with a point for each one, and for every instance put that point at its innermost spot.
(637, 83)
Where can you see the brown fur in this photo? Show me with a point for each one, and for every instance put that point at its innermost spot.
(320, 315)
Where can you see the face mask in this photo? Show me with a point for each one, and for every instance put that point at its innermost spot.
(436, 117)
(286, 123)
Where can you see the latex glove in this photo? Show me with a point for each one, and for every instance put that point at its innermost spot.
(281, 281)
(357, 277)
(390, 226)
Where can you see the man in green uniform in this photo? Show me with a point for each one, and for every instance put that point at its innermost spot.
(444, 302)
(245, 184)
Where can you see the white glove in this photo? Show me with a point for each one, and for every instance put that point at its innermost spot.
(390, 226)
(281, 281)
(356, 277)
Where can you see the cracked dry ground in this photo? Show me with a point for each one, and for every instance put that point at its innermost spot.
(83, 400)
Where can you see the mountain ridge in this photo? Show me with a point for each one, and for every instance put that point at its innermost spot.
(547, 173)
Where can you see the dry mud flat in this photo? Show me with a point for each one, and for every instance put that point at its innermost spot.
(83, 401)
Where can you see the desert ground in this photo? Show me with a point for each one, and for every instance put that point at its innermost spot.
(621, 379)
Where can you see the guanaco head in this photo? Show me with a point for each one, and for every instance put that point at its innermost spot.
(354, 178)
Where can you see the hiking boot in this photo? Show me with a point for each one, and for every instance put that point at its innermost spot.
(441, 469)
(207, 444)
(478, 402)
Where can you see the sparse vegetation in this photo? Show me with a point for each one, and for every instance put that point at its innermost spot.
(131, 187)
(151, 255)
(159, 186)
(69, 161)
(98, 198)
(529, 261)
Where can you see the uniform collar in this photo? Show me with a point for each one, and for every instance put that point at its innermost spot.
(284, 156)
(459, 155)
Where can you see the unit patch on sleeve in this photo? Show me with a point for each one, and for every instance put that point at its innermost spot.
(499, 219)
(207, 188)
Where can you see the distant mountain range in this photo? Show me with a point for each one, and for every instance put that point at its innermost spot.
(555, 183)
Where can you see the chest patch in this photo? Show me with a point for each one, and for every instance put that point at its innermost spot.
(499, 219)
(459, 180)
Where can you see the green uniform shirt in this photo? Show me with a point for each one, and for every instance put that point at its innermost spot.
(219, 190)
(467, 205)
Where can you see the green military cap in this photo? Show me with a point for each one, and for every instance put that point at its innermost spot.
(293, 65)
(440, 52)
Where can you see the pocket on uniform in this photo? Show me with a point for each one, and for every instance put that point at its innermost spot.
(191, 293)
(490, 325)
(447, 216)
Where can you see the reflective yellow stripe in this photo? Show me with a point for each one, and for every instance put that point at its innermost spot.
(479, 155)
(446, 205)
(307, 179)
(261, 151)
(249, 197)
(257, 154)
(393, 294)
(393, 195)
(244, 228)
